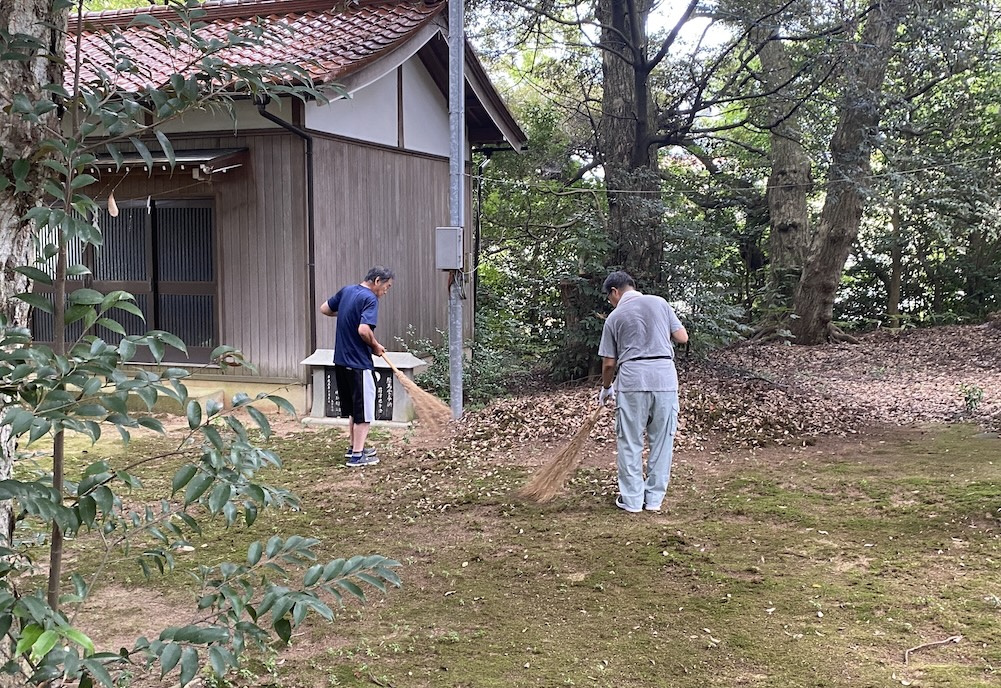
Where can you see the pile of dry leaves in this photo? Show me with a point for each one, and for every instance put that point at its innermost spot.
(758, 394)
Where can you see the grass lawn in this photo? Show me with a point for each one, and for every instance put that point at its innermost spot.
(820, 565)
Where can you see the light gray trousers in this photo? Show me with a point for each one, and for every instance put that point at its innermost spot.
(655, 416)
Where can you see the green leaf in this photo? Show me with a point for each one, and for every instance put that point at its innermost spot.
(19, 419)
(130, 307)
(20, 168)
(220, 495)
(37, 301)
(116, 155)
(151, 423)
(213, 407)
(105, 498)
(168, 339)
(156, 349)
(87, 509)
(351, 588)
(57, 166)
(112, 325)
(283, 627)
(91, 386)
(182, 477)
(168, 150)
(194, 412)
(143, 153)
(218, 661)
(197, 487)
(312, 575)
(82, 180)
(261, 420)
(282, 403)
(34, 274)
(249, 513)
(126, 349)
(88, 297)
(146, 20)
(29, 635)
(41, 647)
(78, 637)
(254, 553)
(77, 312)
(98, 670)
(189, 665)
(169, 658)
(148, 395)
(39, 428)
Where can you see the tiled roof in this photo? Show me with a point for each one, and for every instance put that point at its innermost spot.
(330, 38)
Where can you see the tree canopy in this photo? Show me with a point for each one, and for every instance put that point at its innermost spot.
(793, 169)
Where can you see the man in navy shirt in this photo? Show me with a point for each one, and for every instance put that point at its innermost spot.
(356, 308)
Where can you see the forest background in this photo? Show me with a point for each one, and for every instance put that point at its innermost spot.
(796, 169)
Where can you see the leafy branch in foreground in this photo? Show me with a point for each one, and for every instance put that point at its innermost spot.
(86, 384)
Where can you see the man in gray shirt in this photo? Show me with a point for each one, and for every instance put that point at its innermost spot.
(638, 374)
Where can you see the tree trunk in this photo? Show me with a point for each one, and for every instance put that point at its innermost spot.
(896, 267)
(976, 273)
(635, 211)
(790, 180)
(851, 147)
(19, 139)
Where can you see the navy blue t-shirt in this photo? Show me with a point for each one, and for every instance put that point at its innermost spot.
(355, 305)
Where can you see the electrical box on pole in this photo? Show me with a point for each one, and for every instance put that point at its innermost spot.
(448, 248)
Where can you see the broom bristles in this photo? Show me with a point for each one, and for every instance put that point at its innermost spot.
(550, 479)
(432, 411)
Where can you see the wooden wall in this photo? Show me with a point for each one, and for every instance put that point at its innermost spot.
(378, 206)
(374, 205)
(260, 222)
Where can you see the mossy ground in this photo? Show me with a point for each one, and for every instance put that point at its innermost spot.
(786, 567)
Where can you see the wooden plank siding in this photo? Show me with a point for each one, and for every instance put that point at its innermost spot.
(380, 206)
(373, 205)
(260, 224)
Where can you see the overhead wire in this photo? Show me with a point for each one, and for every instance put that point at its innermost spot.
(691, 189)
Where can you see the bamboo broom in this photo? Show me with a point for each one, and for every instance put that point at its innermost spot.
(549, 480)
(431, 410)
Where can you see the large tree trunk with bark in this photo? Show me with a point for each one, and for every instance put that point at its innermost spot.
(635, 211)
(851, 148)
(19, 139)
(790, 180)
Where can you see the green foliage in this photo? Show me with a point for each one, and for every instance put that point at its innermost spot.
(82, 386)
(488, 373)
(973, 395)
(242, 605)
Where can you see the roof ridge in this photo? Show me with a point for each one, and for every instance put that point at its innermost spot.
(230, 9)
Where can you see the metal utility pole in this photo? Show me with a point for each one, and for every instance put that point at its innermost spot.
(456, 190)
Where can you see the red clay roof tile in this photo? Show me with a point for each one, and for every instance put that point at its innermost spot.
(329, 38)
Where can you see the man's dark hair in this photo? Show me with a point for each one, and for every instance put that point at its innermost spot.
(380, 273)
(617, 280)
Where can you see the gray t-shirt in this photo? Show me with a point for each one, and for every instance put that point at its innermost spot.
(637, 334)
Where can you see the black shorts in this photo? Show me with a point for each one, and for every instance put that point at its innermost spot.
(356, 393)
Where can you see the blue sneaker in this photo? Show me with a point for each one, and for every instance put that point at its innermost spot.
(368, 451)
(362, 459)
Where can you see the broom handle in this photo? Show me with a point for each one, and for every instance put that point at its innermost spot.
(395, 369)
